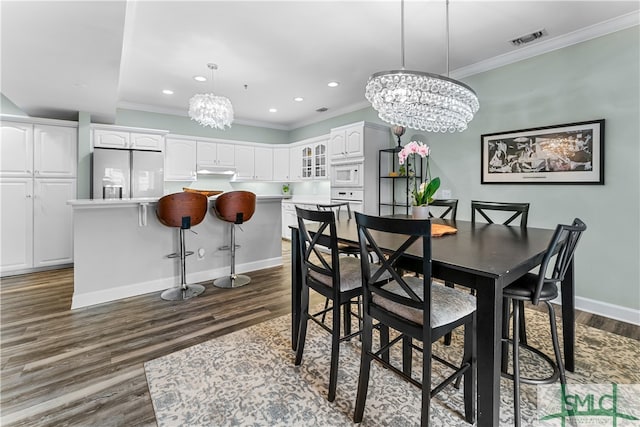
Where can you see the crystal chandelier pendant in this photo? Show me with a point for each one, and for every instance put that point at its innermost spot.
(211, 110)
(422, 101)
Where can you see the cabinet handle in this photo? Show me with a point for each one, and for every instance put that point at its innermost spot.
(28, 196)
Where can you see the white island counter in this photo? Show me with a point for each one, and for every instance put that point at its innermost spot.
(120, 248)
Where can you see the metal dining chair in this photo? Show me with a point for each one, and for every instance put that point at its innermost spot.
(536, 288)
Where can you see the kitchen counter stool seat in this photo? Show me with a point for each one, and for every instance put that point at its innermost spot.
(235, 207)
(182, 210)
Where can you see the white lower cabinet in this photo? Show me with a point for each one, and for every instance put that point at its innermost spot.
(53, 222)
(16, 222)
(37, 223)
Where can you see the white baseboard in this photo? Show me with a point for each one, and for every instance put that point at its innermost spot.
(612, 311)
(135, 289)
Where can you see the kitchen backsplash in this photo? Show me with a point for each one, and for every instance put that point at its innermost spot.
(310, 188)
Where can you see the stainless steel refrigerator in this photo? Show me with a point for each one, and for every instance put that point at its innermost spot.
(127, 173)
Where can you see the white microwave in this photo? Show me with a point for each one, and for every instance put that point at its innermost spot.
(347, 175)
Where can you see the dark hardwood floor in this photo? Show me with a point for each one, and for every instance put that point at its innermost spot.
(85, 367)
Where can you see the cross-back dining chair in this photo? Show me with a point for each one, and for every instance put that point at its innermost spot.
(535, 288)
(450, 208)
(414, 308)
(335, 277)
(518, 210)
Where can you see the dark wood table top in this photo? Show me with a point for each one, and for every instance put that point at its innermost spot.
(489, 250)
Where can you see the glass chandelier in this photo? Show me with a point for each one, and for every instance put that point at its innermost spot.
(420, 100)
(211, 110)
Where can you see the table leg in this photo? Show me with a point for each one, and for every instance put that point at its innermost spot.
(296, 286)
(568, 318)
(488, 332)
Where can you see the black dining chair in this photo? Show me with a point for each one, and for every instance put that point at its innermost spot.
(518, 210)
(414, 308)
(449, 211)
(335, 277)
(342, 211)
(511, 211)
(536, 288)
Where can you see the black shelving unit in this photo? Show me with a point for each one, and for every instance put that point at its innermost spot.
(393, 191)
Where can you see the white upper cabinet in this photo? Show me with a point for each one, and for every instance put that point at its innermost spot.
(346, 142)
(281, 168)
(111, 139)
(263, 163)
(105, 136)
(38, 150)
(216, 154)
(309, 160)
(16, 149)
(146, 141)
(180, 159)
(254, 163)
(55, 149)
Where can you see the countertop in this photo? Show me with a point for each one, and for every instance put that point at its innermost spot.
(146, 201)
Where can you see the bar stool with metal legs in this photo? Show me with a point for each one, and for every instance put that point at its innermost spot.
(235, 207)
(182, 210)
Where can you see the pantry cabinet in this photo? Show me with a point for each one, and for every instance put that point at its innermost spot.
(37, 178)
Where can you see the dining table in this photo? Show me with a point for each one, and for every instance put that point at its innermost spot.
(483, 257)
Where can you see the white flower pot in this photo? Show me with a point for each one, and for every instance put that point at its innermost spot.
(420, 212)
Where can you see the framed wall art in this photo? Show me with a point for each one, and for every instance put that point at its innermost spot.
(571, 153)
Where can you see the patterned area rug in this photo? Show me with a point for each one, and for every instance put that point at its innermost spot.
(248, 378)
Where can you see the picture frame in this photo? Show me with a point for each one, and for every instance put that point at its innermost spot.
(571, 153)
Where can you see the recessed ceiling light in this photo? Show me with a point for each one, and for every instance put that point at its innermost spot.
(200, 78)
(273, 110)
(298, 99)
(333, 84)
(167, 92)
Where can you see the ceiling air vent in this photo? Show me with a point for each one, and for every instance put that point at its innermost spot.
(528, 38)
(322, 109)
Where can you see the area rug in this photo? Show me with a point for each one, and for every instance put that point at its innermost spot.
(248, 378)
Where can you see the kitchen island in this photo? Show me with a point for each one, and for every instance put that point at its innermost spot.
(120, 248)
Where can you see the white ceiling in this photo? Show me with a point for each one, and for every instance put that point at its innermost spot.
(59, 58)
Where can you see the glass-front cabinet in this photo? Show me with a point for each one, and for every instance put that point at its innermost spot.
(313, 161)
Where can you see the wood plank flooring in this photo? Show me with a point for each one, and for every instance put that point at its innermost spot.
(85, 367)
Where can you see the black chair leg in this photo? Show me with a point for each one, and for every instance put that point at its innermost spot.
(447, 337)
(365, 369)
(516, 363)
(523, 326)
(335, 352)
(407, 355)
(556, 344)
(302, 330)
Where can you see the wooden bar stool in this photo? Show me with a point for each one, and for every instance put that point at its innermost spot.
(234, 207)
(182, 210)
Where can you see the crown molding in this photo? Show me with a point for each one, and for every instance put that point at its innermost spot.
(544, 46)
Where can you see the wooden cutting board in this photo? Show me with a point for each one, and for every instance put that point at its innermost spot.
(439, 230)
